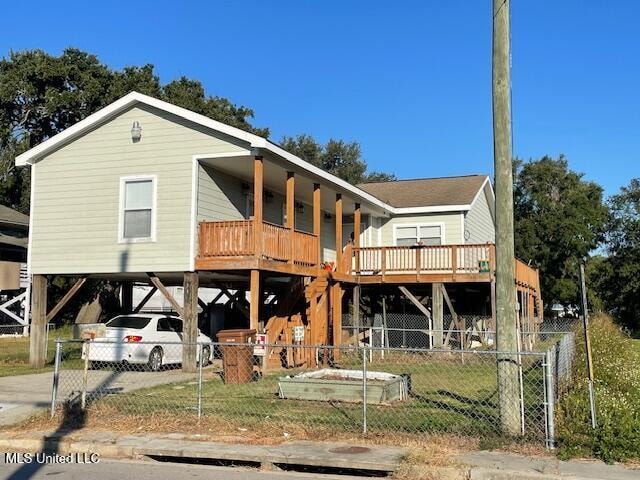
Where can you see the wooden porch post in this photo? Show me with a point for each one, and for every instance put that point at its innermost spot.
(316, 219)
(357, 220)
(255, 299)
(258, 171)
(291, 213)
(338, 232)
(190, 322)
(38, 332)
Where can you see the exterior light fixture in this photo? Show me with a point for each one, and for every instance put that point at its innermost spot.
(300, 207)
(136, 131)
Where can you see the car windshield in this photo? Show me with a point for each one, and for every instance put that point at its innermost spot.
(129, 322)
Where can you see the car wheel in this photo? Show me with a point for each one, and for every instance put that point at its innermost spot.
(155, 359)
(205, 355)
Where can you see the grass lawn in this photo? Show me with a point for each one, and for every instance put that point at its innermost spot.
(14, 353)
(446, 396)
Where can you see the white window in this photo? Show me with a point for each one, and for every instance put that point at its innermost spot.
(137, 209)
(430, 234)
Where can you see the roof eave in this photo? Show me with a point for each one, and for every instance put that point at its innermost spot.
(34, 154)
(431, 209)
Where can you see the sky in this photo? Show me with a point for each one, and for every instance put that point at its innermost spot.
(409, 80)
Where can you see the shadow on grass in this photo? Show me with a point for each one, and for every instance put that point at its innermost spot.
(73, 419)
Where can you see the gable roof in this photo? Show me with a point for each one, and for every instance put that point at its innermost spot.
(256, 142)
(374, 194)
(9, 215)
(428, 192)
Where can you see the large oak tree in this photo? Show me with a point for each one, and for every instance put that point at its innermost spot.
(560, 220)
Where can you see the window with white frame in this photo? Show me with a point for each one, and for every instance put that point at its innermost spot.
(418, 235)
(137, 208)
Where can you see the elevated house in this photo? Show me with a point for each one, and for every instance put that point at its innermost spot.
(14, 284)
(145, 191)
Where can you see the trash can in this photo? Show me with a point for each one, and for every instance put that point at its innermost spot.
(237, 360)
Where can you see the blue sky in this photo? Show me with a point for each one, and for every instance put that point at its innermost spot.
(409, 80)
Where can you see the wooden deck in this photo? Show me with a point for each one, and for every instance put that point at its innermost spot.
(437, 263)
(237, 245)
(246, 244)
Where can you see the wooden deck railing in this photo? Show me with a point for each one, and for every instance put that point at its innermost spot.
(236, 238)
(527, 276)
(233, 238)
(454, 259)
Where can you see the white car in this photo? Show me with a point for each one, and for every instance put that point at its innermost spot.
(144, 339)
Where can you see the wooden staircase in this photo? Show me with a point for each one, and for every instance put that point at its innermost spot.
(310, 311)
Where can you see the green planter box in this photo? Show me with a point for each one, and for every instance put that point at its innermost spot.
(331, 384)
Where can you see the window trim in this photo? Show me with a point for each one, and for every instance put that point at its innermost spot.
(418, 226)
(154, 204)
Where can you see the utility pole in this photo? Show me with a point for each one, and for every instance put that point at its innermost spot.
(587, 346)
(506, 333)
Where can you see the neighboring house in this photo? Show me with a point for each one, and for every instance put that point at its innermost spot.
(145, 191)
(14, 239)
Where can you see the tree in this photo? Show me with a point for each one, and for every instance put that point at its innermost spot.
(560, 219)
(190, 94)
(621, 287)
(340, 158)
(43, 94)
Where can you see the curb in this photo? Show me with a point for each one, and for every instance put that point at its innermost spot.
(308, 454)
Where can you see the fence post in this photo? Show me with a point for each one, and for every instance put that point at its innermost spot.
(200, 364)
(364, 390)
(56, 376)
(85, 374)
(550, 400)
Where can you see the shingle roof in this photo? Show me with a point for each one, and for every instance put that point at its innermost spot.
(9, 215)
(427, 192)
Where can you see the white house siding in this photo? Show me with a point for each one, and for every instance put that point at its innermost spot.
(452, 226)
(76, 195)
(479, 222)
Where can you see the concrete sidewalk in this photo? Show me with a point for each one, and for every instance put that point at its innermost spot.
(342, 456)
(506, 466)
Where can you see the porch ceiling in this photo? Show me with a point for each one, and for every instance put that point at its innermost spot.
(275, 177)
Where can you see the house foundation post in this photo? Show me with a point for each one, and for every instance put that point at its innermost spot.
(437, 311)
(127, 296)
(190, 322)
(254, 302)
(38, 331)
(336, 318)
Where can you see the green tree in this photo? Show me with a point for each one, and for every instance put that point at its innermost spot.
(43, 94)
(190, 94)
(560, 219)
(621, 286)
(340, 158)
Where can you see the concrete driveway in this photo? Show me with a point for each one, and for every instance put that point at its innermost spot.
(24, 395)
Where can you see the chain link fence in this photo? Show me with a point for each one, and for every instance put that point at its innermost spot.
(400, 330)
(388, 391)
(14, 330)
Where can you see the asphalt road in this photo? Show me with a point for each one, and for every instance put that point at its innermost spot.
(147, 470)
